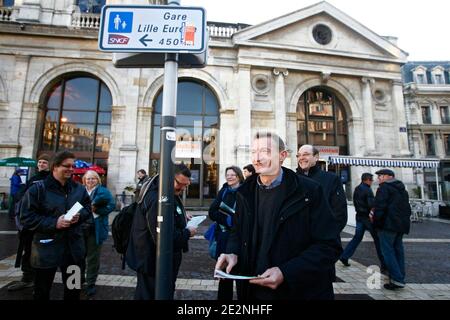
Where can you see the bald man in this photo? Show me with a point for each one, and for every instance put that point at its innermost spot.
(307, 158)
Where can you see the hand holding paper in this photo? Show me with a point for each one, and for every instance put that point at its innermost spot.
(195, 221)
(73, 211)
(223, 275)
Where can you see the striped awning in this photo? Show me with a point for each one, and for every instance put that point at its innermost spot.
(386, 163)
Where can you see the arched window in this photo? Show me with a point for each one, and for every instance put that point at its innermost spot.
(91, 6)
(78, 118)
(197, 146)
(321, 120)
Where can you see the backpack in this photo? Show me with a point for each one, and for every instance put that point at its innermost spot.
(18, 201)
(41, 191)
(122, 222)
(121, 227)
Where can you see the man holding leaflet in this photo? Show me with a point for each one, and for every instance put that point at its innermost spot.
(58, 240)
(283, 231)
(141, 252)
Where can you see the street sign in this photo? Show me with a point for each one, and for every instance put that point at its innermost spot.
(170, 29)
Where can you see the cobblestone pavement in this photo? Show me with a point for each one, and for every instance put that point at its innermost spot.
(427, 265)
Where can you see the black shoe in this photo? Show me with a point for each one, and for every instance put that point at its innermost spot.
(91, 291)
(392, 286)
(345, 262)
(20, 285)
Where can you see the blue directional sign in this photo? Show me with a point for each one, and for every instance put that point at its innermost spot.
(152, 29)
(120, 22)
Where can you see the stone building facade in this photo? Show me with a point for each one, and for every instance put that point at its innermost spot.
(427, 101)
(313, 76)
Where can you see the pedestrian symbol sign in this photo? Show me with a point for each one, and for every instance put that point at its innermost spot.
(120, 22)
(152, 29)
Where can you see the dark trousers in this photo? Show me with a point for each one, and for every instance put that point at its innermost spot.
(26, 237)
(225, 291)
(145, 288)
(92, 264)
(394, 255)
(363, 224)
(43, 283)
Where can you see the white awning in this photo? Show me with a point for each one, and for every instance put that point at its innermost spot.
(379, 162)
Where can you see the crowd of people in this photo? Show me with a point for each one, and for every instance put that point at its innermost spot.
(279, 226)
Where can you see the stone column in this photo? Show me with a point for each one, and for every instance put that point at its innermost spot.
(369, 124)
(280, 102)
(129, 149)
(244, 116)
(399, 119)
(17, 99)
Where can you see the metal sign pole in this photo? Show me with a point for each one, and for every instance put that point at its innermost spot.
(164, 246)
(147, 37)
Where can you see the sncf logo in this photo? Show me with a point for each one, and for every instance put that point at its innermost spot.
(117, 39)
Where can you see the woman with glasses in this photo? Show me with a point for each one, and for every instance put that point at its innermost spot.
(95, 230)
(222, 211)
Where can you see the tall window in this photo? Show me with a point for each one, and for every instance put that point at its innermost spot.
(78, 119)
(421, 78)
(426, 115)
(429, 144)
(445, 116)
(447, 144)
(439, 79)
(321, 120)
(197, 146)
(91, 6)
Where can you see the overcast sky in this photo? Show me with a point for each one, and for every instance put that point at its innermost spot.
(421, 26)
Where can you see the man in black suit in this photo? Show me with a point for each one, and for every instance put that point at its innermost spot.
(307, 158)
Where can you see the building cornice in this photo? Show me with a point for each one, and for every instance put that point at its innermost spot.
(308, 66)
(426, 89)
(259, 44)
(17, 28)
(443, 128)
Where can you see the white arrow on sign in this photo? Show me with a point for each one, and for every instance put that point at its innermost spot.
(152, 29)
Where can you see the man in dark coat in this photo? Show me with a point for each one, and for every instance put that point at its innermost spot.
(363, 200)
(26, 236)
(283, 231)
(391, 217)
(332, 186)
(142, 178)
(141, 252)
(57, 242)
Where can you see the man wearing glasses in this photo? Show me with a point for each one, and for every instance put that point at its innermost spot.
(57, 242)
(141, 252)
(363, 200)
